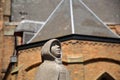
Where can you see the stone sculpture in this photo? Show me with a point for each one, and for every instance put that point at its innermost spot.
(52, 67)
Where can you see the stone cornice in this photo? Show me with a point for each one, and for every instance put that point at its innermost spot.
(75, 42)
(90, 43)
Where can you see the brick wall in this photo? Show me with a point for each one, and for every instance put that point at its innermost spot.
(97, 58)
(85, 60)
(8, 50)
(80, 51)
(28, 59)
(6, 39)
(115, 28)
(1, 37)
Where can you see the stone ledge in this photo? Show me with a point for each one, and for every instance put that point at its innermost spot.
(9, 32)
(91, 43)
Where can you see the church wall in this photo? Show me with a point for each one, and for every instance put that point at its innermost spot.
(115, 28)
(85, 60)
(28, 61)
(94, 70)
(96, 57)
(6, 37)
(72, 52)
(1, 37)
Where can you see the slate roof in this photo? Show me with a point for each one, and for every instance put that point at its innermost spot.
(72, 17)
(29, 26)
(37, 10)
(107, 10)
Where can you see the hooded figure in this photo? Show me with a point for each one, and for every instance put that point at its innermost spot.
(52, 67)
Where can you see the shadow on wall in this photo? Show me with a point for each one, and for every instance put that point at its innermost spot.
(94, 60)
(32, 66)
(109, 60)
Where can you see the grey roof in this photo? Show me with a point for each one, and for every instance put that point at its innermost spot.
(28, 26)
(107, 10)
(72, 17)
(29, 29)
(37, 10)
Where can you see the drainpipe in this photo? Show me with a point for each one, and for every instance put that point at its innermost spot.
(13, 58)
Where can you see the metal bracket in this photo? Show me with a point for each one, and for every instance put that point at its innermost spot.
(13, 59)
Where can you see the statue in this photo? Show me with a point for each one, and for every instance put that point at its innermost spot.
(52, 67)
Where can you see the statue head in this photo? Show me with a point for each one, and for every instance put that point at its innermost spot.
(55, 49)
(51, 50)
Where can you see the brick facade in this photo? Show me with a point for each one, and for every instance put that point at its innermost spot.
(6, 41)
(1, 37)
(85, 60)
(115, 28)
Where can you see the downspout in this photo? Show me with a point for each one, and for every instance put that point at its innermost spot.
(13, 60)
